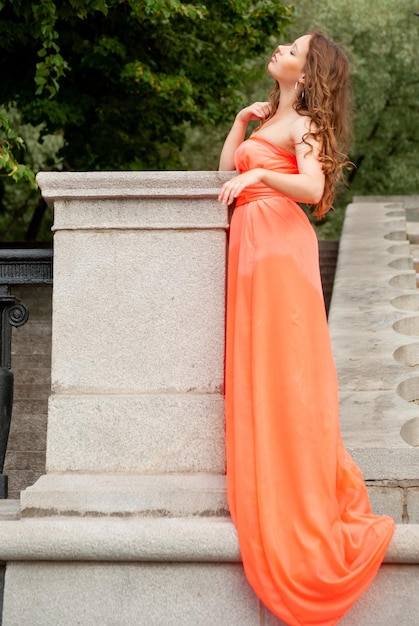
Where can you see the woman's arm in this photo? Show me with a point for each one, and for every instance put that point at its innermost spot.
(256, 111)
(306, 186)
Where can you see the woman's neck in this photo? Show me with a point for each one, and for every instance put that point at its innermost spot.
(286, 101)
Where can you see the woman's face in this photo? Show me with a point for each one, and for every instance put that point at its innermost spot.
(288, 61)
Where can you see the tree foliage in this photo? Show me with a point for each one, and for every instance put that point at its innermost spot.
(22, 210)
(120, 81)
(120, 77)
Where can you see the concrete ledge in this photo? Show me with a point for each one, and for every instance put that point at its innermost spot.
(147, 539)
(386, 464)
(404, 547)
(125, 214)
(130, 184)
(169, 495)
(408, 201)
(112, 539)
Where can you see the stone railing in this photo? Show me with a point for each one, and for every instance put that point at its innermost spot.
(373, 327)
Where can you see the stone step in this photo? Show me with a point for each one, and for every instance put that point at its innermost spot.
(183, 567)
(31, 366)
(32, 338)
(29, 408)
(9, 510)
(29, 362)
(29, 391)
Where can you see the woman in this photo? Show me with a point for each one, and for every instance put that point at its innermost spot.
(309, 542)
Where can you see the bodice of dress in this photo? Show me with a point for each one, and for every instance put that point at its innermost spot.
(259, 152)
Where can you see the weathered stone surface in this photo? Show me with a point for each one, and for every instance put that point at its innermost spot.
(31, 366)
(148, 433)
(120, 539)
(413, 504)
(139, 538)
(155, 594)
(387, 501)
(139, 311)
(33, 338)
(126, 185)
(9, 510)
(138, 322)
(129, 593)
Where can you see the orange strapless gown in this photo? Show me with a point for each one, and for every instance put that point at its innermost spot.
(309, 542)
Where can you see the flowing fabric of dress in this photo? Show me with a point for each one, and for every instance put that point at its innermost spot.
(309, 542)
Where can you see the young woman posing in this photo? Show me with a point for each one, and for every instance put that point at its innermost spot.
(309, 542)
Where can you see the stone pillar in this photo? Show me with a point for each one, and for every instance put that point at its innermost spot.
(138, 343)
(129, 525)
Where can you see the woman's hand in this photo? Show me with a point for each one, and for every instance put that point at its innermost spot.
(233, 187)
(255, 111)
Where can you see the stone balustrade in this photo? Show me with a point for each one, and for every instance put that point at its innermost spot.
(373, 327)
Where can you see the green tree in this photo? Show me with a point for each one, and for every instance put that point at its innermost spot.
(23, 213)
(121, 79)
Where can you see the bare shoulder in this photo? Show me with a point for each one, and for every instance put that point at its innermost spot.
(301, 125)
(300, 131)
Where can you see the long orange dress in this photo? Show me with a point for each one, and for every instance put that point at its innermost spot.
(309, 542)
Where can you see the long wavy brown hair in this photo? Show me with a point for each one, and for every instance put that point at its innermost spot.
(327, 100)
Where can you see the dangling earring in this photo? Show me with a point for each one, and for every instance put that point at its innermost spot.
(296, 90)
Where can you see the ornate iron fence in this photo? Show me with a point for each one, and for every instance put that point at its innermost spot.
(18, 266)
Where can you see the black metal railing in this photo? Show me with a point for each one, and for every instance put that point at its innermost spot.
(19, 265)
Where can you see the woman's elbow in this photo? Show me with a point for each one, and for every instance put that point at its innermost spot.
(316, 193)
(316, 198)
